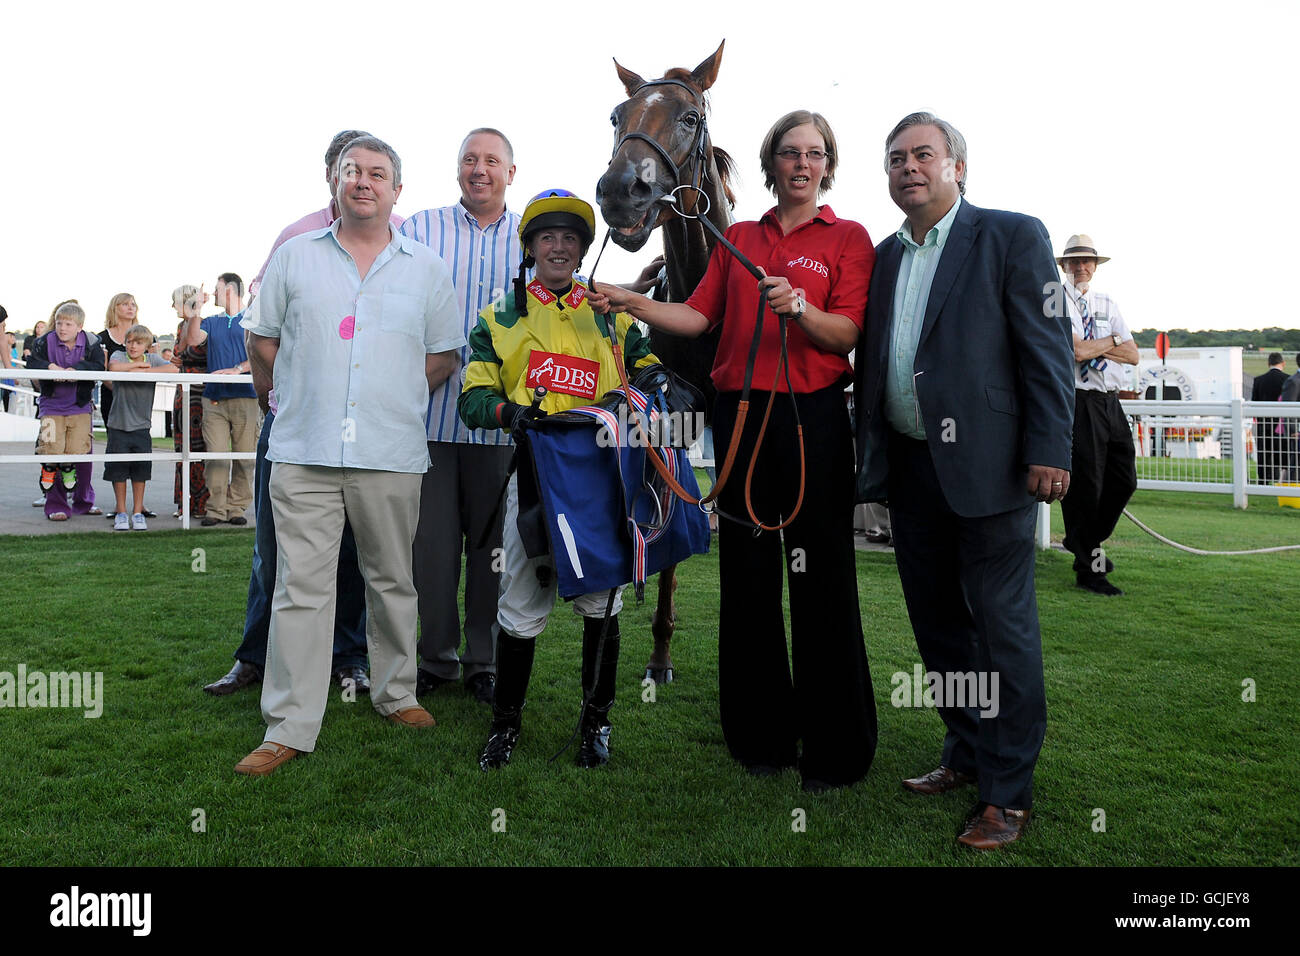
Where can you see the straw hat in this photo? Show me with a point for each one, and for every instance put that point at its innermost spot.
(1081, 246)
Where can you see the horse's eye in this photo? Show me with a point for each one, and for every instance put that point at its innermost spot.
(691, 119)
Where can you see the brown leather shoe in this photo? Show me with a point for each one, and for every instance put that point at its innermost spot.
(938, 781)
(413, 717)
(989, 827)
(266, 759)
(240, 676)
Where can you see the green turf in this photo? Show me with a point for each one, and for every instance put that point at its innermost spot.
(1146, 722)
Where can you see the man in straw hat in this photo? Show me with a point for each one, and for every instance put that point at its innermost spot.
(1104, 476)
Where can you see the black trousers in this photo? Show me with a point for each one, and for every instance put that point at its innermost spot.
(1270, 455)
(457, 498)
(969, 586)
(1102, 477)
(828, 703)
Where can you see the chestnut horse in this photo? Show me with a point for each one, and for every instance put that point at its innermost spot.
(662, 143)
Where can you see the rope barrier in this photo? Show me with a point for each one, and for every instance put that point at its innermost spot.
(1190, 550)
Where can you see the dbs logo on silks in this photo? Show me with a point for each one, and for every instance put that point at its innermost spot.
(563, 373)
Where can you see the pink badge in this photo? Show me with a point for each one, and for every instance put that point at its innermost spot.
(346, 326)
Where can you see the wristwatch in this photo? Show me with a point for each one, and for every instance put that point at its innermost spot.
(800, 305)
(1117, 340)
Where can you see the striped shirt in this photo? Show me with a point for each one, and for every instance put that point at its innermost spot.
(1109, 321)
(483, 264)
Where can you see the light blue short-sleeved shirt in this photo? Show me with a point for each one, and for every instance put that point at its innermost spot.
(349, 376)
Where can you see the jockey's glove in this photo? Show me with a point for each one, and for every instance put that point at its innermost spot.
(513, 415)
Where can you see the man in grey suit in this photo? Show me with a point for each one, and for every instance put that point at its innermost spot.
(965, 397)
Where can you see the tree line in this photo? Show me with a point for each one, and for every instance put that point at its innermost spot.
(1281, 340)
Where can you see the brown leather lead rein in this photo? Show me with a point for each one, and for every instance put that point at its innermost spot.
(695, 156)
(737, 430)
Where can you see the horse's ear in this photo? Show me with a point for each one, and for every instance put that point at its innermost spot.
(630, 80)
(706, 73)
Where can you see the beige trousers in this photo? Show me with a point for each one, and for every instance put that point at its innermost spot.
(230, 424)
(64, 435)
(310, 503)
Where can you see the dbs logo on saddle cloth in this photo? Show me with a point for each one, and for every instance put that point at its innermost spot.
(563, 373)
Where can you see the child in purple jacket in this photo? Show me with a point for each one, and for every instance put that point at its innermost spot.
(66, 409)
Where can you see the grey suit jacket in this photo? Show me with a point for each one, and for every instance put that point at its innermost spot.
(994, 370)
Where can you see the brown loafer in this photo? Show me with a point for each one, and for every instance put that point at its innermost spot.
(938, 781)
(413, 717)
(990, 827)
(266, 759)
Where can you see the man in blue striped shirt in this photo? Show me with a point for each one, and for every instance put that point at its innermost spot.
(478, 238)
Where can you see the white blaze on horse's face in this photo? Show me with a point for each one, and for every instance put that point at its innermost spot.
(484, 170)
(558, 252)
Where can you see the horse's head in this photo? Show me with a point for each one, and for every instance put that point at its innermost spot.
(657, 129)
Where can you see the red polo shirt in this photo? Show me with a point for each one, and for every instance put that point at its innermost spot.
(829, 258)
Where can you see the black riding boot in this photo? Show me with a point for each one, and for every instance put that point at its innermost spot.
(514, 668)
(594, 750)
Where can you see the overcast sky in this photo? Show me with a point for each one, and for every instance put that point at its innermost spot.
(149, 145)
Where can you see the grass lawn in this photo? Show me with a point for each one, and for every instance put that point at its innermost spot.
(1146, 722)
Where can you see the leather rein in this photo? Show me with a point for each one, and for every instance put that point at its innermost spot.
(695, 158)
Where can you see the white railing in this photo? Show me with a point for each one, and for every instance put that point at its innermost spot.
(1209, 446)
(184, 456)
(1193, 446)
(22, 401)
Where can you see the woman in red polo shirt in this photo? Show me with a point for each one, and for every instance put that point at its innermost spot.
(818, 268)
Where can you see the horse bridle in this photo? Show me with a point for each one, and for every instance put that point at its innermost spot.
(697, 151)
(697, 155)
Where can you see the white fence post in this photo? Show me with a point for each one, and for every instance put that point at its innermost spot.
(185, 455)
(1239, 499)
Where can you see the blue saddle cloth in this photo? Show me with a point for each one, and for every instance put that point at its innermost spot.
(609, 519)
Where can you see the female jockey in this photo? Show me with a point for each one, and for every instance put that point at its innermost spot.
(546, 335)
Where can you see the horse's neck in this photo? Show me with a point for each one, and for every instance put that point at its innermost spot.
(687, 243)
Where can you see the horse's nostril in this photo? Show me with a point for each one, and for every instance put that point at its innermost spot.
(640, 190)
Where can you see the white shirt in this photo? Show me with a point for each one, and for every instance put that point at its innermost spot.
(484, 261)
(1110, 322)
(350, 373)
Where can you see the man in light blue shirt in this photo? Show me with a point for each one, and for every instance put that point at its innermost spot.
(478, 239)
(354, 326)
(964, 406)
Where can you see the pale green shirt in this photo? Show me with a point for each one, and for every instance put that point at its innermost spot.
(911, 294)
